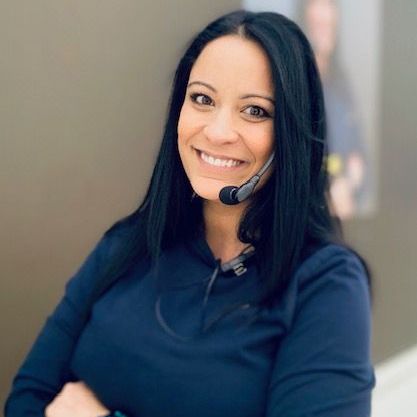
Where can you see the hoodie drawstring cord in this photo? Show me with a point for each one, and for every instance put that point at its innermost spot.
(208, 291)
(165, 325)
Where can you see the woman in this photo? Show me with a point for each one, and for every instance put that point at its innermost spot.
(219, 297)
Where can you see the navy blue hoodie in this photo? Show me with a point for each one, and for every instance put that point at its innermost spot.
(154, 345)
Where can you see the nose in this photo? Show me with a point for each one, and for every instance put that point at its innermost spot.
(221, 129)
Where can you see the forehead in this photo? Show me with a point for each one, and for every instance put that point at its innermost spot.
(233, 62)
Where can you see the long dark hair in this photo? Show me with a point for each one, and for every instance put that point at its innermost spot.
(292, 209)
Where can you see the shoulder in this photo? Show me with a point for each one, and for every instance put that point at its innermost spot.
(90, 272)
(324, 357)
(323, 260)
(104, 249)
(332, 278)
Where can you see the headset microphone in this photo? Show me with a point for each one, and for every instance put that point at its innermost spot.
(232, 195)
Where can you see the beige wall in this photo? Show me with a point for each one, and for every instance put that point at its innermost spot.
(390, 238)
(83, 92)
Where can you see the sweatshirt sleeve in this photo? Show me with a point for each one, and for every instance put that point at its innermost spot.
(322, 367)
(46, 367)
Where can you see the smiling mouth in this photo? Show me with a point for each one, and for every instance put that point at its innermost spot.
(218, 161)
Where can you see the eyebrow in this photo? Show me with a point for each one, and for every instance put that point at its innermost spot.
(241, 97)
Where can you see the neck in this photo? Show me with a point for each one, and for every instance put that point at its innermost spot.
(221, 225)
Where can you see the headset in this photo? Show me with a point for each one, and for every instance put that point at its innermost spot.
(232, 195)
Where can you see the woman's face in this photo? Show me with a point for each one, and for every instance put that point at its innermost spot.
(225, 129)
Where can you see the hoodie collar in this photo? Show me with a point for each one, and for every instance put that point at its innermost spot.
(199, 247)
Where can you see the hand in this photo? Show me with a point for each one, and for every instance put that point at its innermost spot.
(76, 399)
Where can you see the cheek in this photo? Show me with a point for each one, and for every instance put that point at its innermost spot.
(182, 132)
(181, 126)
(261, 141)
(188, 123)
(186, 130)
(262, 150)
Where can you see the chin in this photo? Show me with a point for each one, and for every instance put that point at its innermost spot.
(208, 189)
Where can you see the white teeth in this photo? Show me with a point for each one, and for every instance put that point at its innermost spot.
(219, 162)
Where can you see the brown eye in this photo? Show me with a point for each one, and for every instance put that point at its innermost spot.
(257, 112)
(201, 99)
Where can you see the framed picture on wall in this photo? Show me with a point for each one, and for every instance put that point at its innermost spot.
(345, 39)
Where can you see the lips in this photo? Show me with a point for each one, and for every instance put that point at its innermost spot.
(218, 156)
(221, 157)
(211, 162)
